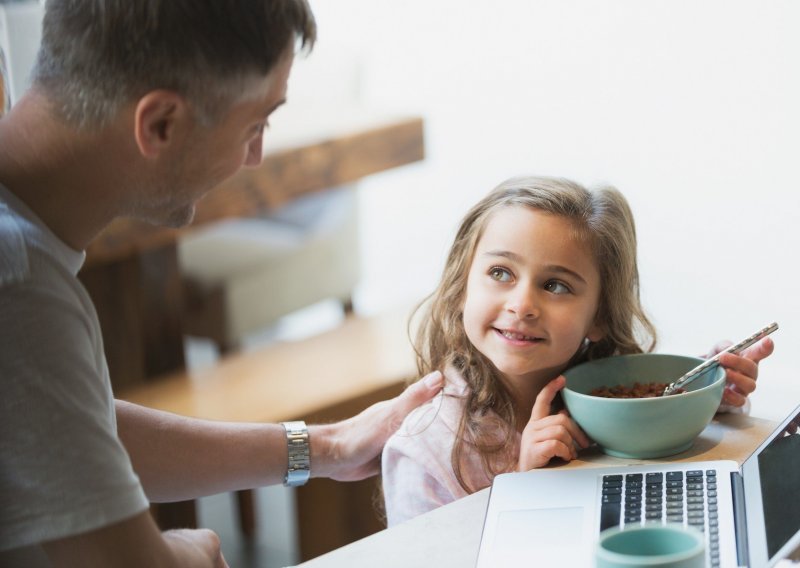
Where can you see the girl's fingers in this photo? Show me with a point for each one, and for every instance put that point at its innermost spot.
(543, 452)
(761, 350)
(744, 384)
(544, 401)
(576, 431)
(739, 364)
(730, 396)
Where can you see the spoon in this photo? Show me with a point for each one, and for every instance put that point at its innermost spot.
(714, 361)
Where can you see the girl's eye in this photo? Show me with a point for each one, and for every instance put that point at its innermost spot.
(556, 287)
(500, 274)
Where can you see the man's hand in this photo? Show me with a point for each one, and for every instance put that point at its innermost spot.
(134, 543)
(351, 450)
(196, 542)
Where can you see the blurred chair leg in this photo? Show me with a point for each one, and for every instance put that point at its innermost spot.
(246, 501)
(347, 305)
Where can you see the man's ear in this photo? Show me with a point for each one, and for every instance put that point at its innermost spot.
(159, 119)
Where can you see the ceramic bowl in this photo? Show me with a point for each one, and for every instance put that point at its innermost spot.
(642, 427)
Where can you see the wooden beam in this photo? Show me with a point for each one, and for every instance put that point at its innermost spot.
(284, 174)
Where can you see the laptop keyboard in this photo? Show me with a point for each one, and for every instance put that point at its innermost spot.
(688, 498)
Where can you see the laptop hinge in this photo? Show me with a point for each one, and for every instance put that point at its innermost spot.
(739, 519)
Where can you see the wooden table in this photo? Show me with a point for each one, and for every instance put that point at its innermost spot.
(449, 537)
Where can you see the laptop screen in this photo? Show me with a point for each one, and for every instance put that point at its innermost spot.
(779, 471)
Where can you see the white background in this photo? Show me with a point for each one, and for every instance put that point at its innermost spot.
(692, 109)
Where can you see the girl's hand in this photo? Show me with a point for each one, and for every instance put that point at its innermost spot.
(547, 436)
(741, 371)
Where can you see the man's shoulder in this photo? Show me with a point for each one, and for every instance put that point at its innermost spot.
(14, 262)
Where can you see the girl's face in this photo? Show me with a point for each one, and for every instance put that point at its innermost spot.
(532, 295)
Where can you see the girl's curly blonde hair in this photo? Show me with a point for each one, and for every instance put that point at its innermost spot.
(602, 219)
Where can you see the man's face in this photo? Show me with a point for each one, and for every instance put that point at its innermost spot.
(214, 153)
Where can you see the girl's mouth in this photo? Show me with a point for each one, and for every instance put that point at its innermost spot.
(515, 336)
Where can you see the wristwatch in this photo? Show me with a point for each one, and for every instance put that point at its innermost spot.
(299, 468)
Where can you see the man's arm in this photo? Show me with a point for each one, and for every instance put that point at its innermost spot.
(180, 458)
(136, 542)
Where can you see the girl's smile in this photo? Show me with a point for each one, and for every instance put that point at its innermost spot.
(518, 338)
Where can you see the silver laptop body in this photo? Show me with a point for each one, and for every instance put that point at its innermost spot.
(552, 517)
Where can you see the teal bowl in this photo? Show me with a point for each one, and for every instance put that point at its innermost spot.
(642, 428)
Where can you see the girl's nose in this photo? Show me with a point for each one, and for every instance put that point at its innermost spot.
(522, 303)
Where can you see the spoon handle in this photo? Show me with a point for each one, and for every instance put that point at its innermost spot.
(714, 361)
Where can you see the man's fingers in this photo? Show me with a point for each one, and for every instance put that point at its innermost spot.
(399, 407)
(418, 393)
(541, 408)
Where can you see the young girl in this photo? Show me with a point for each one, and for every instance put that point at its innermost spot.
(542, 275)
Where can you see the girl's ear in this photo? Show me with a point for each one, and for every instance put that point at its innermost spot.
(596, 332)
(159, 117)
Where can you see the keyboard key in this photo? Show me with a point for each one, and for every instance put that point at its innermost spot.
(609, 515)
(674, 476)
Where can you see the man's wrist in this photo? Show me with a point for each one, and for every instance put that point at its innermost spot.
(298, 468)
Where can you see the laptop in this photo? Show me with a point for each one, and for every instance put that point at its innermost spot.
(750, 515)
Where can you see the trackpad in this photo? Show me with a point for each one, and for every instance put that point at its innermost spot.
(549, 537)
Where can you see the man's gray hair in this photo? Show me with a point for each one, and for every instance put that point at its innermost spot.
(97, 55)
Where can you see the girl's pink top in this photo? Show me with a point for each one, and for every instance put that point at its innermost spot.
(417, 470)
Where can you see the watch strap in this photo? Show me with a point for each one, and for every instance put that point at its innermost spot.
(299, 462)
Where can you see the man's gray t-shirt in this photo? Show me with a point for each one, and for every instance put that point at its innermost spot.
(63, 470)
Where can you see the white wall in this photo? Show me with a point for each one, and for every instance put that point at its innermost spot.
(691, 108)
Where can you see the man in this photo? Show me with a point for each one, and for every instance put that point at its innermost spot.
(137, 108)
